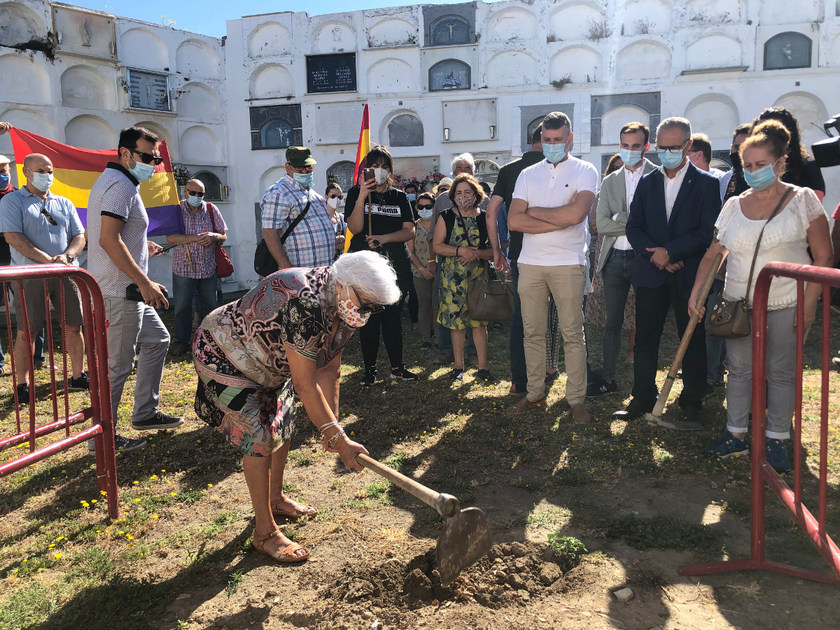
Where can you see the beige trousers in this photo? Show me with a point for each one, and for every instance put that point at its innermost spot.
(566, 284)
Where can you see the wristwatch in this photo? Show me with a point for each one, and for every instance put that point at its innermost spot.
(70, 257)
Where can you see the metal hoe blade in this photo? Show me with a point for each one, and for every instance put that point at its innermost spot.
(464, 541)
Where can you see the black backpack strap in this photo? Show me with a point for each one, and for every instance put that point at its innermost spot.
(297, 220)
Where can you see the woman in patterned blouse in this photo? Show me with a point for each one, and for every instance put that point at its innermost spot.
(285, 337)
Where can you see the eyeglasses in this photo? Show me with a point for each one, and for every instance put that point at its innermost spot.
(674, 148)
(306, 168)
(195, 193)
(373, 309)
(148, 158)
(48, 215)
(419, 207)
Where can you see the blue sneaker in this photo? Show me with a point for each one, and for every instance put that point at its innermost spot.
(777, 455)
(727, 446)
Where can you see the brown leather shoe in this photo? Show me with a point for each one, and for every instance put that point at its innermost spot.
(524, 405)
(580, 415)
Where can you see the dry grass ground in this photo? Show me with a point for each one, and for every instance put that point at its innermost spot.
(643, 500)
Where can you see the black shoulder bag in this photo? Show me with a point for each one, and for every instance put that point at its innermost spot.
(264, 263)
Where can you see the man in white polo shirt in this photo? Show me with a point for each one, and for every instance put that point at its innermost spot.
(550, 205)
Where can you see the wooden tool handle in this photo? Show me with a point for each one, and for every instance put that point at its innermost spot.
(445, 504)
(686, 338)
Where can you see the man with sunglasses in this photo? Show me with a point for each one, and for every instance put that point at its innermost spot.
(118, 257)
(44, 228)
(194, 261)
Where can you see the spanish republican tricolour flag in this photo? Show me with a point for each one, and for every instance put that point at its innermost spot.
(75, 171)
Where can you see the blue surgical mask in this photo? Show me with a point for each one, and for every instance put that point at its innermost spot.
(4, 181)
(630, 157)
(554, 152)
(194, 201)
(425, 213)
(142, 172)
(761, 178)
(412, 197)
(42, 181)
(304, 179)
(671, 158)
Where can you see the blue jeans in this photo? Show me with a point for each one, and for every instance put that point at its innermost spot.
(618, 278)
(184, 289)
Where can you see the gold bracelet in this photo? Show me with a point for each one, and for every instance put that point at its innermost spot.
(430, 261)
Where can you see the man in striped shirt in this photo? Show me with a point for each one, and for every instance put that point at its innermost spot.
(194, 261)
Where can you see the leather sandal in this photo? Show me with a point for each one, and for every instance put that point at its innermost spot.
(300, 510)
(285, 555)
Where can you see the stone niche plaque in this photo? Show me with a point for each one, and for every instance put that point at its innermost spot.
(469, 120)
(148, 90)
(338, 123)
(81, 32)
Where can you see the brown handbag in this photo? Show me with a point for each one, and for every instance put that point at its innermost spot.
(731, 319)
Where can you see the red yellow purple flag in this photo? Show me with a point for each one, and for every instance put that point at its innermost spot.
(75, 170)
(361, 151)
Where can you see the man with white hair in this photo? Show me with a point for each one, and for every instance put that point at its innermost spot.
(670, 226)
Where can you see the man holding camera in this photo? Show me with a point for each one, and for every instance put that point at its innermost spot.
(118, 258)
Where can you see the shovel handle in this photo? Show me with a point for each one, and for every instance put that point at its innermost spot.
(659, 407)
(445, 504)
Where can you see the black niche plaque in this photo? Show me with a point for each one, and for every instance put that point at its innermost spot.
(331, 73)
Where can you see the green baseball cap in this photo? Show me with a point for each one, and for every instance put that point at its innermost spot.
(300, 156)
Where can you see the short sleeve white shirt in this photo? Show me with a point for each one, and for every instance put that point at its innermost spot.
(785, 239)
(545, 185)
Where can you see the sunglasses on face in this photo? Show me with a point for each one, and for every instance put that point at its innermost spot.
(424, 207)
(48, 215)
(148, 158)
(195, 193)
(368, 308)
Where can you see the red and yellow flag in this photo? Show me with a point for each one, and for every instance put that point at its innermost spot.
(364, 145)
(75, 170)
(361, 151)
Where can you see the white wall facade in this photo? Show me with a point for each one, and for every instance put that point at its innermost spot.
(602, 61)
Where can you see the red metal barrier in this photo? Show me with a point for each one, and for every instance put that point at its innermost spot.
(762, 472)
(96, 347)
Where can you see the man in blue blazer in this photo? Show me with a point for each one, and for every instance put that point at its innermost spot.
(671, 225)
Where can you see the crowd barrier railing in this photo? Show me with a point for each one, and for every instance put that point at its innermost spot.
(60, 417)
(762, 473)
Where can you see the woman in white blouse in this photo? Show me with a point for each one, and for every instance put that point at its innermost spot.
(801, 223)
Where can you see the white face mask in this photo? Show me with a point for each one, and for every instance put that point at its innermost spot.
(381, 175)
(332, 202)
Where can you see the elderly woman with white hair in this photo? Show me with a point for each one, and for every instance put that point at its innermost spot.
(285, 337)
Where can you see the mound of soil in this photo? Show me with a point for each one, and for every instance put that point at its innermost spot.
(510, 574)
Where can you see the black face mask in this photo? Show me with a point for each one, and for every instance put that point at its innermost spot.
(736, 161)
